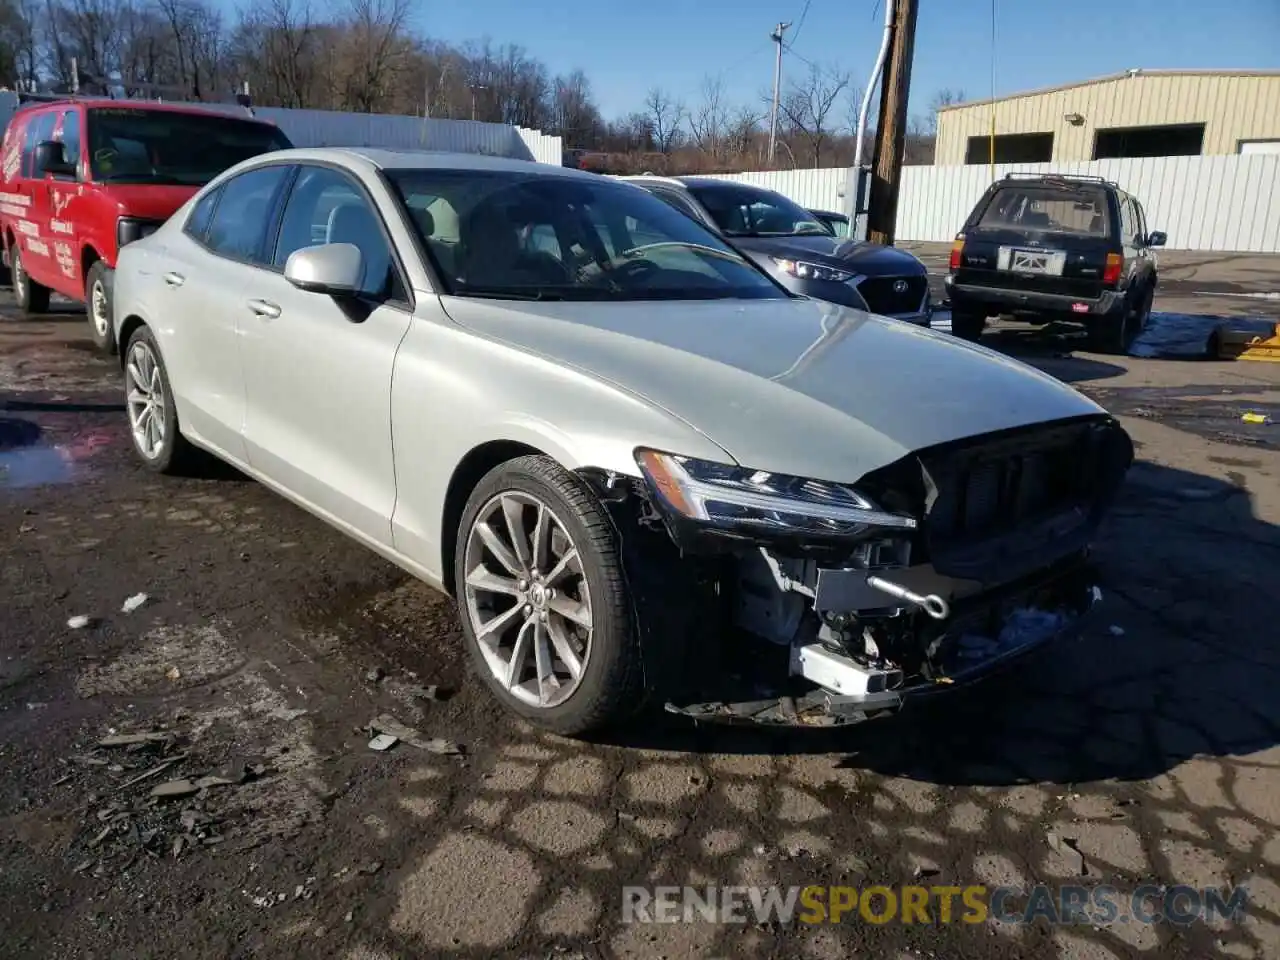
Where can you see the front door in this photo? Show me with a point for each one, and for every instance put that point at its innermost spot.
(318, 370)
(31, 233)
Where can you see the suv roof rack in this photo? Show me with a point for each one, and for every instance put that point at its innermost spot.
(1081, 177)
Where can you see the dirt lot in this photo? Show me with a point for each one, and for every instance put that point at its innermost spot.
(267, 642)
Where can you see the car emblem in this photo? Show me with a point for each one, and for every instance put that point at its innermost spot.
(899, 286)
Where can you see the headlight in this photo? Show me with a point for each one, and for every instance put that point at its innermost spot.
(730, 496)
(812, 271)
(129, 229)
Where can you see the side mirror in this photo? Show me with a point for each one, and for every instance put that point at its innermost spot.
(51, 157)
(1157, 239)
(331, 268)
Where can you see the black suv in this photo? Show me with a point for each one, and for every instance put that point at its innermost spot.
(798, 249)
(1055, 247)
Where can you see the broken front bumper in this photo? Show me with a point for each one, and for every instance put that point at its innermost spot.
(982, 636)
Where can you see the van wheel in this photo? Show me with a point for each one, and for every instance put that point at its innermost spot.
(967, 326)
(32, 297)
(98, 289)
(545, 611)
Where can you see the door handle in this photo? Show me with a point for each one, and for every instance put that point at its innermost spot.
(265, 309)
(174, 279)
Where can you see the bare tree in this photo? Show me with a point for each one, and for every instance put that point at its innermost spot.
(709, 123)
(807, 109)
(945, 97)
(665, 115)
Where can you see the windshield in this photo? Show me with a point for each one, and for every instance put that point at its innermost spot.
(1059, 209)
(742, 211)
(131, 145)
(527, 235)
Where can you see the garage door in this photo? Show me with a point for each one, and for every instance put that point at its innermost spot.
(1260, 146)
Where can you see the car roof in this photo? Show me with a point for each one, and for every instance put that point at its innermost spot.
(388, 159)
(151, 106)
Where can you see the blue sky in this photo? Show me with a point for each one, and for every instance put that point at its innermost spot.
(626, 47)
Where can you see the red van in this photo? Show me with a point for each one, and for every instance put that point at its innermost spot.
(81, 177)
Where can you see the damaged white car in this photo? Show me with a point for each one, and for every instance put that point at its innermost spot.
(646, 471)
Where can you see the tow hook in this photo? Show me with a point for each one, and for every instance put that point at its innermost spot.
(934, 605)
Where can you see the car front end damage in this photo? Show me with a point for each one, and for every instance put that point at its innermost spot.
(789, 601)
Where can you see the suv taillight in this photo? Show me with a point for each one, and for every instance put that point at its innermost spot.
(957, 248)
(1111, 272)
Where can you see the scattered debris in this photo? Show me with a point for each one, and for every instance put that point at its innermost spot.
(131, 739)
(79, 622)
(1116, 630)
(430, 692)
(133, 603)
(1259, 418)
(154, 771)
(383, 741)
(173, 673)
(36, 705)
(61, 780)
(924, 873)
(387, 724)
(174, 789)
(372, 868)
(1066, 848)
(375, 675)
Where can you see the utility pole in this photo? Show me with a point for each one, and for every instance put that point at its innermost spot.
(886, 173)
(776, 37)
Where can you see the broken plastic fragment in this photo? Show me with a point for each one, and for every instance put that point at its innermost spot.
(78, 622)
(383, 741)
(133, 603)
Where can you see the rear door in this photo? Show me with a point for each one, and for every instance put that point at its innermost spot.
(1041, 237)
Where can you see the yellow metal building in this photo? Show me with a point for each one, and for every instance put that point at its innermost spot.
(1139, 113)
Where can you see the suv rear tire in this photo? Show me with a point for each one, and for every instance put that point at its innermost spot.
(967, 326)
(32, 297)
(1115, 335)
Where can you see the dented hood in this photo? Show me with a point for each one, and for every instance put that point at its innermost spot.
(792, 386)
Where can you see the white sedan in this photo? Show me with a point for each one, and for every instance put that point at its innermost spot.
(643, 466)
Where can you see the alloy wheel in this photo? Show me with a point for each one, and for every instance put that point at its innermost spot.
(527, 599)
(98, 309)
(146, 400)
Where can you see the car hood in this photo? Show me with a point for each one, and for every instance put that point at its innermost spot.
(868, 259)
(148, 201)
(800, 387)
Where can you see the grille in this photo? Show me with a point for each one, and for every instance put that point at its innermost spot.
(880, 296)
(998, 488)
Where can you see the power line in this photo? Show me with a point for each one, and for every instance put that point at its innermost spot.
(791, 50)
(800, 23)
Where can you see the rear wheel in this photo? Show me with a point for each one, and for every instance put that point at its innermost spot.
(1115, 335)
(967, 326)
(153, 418)
(545, 609)
(99, 287)
(32, 297)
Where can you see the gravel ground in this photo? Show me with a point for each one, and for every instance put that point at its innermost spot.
(268, 644)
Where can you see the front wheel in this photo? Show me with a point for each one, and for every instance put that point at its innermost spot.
(544, 606)
(99, 287)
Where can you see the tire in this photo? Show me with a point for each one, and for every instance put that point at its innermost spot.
(607, 687)
(99, 291)
(32, 297)
(173, 454)
(1114, 335)
(967, 326)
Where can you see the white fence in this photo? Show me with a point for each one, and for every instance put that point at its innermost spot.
(1227, 203)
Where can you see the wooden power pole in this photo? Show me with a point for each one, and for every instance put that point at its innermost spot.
(891, 128)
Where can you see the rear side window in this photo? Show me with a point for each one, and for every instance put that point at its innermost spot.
(1068, 209)
(240, 221)
(197, 225)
